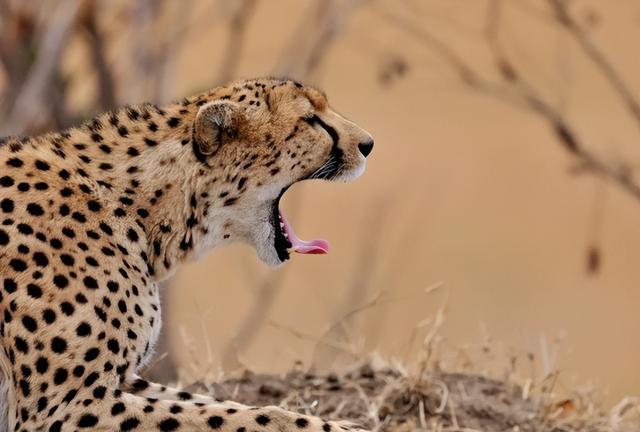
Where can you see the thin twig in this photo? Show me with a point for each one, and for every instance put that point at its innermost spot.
(262, 304)
(597, 56)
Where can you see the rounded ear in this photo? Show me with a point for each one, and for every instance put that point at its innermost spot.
(215, 123)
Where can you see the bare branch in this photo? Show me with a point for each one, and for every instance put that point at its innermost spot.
(106, 83)
(5, 16)
(18, 25)
(302, 57)
(465, 73)
(602, 62)
(237, 31)
(515, 90)
(30, 104)
(143, 50)
(164, 81)
(152, 57)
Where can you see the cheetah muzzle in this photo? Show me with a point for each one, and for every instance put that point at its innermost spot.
(332, 168)
(93, 217)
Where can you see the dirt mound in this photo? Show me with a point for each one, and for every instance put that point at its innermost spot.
(387, 399)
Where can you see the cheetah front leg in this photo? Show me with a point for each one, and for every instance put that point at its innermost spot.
(122, 411)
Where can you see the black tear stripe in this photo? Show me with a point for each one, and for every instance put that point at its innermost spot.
(336, 154)
(315, 120)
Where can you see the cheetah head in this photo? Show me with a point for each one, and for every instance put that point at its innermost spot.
(267, 135)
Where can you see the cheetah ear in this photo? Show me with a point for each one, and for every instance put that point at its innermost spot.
(216, 123)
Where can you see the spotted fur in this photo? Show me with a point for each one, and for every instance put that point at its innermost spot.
(93, 217)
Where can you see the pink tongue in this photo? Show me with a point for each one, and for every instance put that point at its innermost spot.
(316, 246)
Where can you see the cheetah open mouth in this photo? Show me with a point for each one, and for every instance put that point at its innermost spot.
(285, 237)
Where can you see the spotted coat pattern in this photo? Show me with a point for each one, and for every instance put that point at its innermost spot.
(93, 217)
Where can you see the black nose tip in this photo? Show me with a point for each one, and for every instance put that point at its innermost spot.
(366, 147)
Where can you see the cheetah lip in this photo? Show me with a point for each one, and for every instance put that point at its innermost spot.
(315, 246)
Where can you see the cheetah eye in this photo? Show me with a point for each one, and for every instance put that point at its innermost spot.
(312, 120)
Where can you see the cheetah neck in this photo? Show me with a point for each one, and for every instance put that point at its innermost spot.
(168, 186)
(140, 165)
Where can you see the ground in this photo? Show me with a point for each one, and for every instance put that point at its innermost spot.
(389, 399)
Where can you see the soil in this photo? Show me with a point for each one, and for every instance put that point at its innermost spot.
(387, 399)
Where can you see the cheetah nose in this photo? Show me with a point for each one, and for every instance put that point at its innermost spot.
(366, 147)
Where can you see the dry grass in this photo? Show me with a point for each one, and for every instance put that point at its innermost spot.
(443, 391)
(389, 398)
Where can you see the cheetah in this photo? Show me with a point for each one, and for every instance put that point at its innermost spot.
(93, 217)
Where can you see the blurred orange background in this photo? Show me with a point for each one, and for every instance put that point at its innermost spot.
(465, 192)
